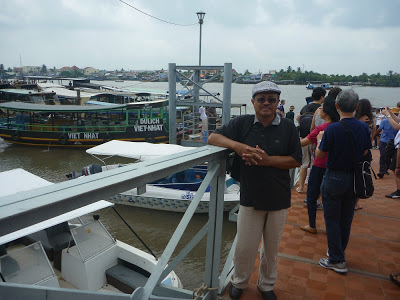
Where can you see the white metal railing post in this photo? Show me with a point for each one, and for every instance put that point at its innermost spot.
(214, 237)
(146, 291)
(172, 102)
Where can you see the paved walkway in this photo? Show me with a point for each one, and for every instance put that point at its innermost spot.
(372, 254)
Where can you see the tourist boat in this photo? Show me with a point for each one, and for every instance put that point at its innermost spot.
(71, 251)
(249, 79)
(173, 193)
(84, 126)
(325, 86)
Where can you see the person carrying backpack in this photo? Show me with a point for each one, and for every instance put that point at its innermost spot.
(304, 118)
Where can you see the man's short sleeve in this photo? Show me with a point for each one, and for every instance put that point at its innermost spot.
(232, 129)
(303, 110)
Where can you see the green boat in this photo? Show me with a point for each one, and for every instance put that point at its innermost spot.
(84, 126)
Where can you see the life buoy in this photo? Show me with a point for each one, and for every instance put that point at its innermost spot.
(63, 139)
(107, 137)
(149, 139)
(16, 136)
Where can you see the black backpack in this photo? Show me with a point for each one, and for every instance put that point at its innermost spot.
(305, 122)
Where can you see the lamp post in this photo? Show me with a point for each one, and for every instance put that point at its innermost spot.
(200, 15)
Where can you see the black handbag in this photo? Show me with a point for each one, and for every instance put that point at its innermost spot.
(363, 184)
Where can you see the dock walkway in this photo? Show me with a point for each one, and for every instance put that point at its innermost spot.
(372, 254)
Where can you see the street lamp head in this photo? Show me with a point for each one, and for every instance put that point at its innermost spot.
(201, 15)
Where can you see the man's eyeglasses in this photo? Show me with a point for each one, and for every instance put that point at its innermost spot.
(271, 100)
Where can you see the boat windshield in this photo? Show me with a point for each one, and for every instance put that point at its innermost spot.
(92, 239)
(28, 265)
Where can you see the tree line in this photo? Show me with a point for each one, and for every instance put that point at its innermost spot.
(391, 79)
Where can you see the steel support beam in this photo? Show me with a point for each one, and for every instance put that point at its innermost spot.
(226, 104)
(199, 67)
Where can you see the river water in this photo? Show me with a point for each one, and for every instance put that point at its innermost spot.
(156, 227)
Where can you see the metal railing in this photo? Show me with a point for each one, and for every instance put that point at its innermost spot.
(28, 208)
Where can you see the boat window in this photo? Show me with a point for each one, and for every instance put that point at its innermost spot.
(37, 99)
(28, 265)
(145, 113)
(91, 239)
(157, 112)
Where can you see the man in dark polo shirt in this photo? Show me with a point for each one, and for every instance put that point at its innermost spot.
(269, 146)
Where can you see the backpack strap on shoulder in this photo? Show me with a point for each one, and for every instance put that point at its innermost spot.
(247, 124)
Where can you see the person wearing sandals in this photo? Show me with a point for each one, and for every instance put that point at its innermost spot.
(337, 188)
(330, 115)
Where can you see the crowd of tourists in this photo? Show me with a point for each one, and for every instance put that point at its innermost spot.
(268, 144)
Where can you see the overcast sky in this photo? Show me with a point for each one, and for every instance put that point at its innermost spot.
(325, 36)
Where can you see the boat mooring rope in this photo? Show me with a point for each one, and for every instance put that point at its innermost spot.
(199, 291)
(144, 244)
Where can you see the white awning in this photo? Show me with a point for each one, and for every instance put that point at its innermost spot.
(18, 180)
(137, 150)
(54, 221)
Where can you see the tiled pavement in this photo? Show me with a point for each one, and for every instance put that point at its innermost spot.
(372, 254)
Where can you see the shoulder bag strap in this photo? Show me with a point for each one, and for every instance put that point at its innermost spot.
(246, 127)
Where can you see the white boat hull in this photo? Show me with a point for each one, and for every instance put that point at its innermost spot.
(173, 200)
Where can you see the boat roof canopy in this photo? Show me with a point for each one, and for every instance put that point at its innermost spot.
(55, 221)
(94, 102)
(20, 180)
(63, 92)
(136, 150)
(21, 106)
(24, 92)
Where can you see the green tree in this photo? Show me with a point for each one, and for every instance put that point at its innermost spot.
(76, 73)
(65, 73)
(363, 78)
(43, 70)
